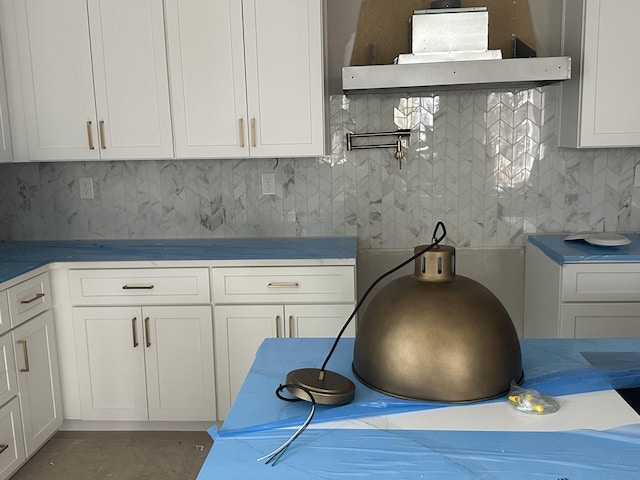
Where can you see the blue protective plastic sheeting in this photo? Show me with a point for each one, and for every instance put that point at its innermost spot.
(570, 251)
(551, 366)
(451, 455)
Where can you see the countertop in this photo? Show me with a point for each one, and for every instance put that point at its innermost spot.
(562, 251)
(378, 436)
(21, 257)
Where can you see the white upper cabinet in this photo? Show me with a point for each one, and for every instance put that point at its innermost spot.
(247, 77)
(6, 154)
(600, 103)
(87, 79)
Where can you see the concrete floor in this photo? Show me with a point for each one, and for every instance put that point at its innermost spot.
(118, 456)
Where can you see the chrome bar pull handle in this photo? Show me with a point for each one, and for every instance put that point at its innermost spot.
(103, 146)
(25, 353)
(134, 331)
(90, 135)
(146, 331)
(36, 296)
(241, 131)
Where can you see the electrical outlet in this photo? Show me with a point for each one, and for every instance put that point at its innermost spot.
(85, 184)
(268, 183)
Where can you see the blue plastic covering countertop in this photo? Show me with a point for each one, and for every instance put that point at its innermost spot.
(21, 257)
(553, 366)
(570, 251)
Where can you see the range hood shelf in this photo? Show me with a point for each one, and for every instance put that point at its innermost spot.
(472, 74)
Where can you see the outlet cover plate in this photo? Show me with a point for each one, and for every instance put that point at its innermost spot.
(85, 184)
(268, 183)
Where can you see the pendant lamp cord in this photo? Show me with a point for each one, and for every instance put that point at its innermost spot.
(437, 237)
(273, 457)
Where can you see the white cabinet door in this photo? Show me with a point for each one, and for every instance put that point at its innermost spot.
(130, 77)
(49, 78)
(206, 65)
(58, 51)
(179, 361)
(285, 77)
(319, 320)
(240, 329)
(38, 380)
(110, 354)
(600, 103)
(238, 332)
(247, 77)
(8, 378)
(151, 363)
(6, 152)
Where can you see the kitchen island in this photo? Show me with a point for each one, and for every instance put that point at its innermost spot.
(594, 435)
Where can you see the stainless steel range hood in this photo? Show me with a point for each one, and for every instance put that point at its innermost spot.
(490, 74)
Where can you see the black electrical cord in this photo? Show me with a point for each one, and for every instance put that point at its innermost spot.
(277, 453)
(274, 456)
(435, 241)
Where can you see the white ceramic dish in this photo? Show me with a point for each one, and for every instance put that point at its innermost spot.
(603, 239)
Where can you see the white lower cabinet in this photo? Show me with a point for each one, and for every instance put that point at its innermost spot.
(240, 329)
(145, 363)
(254, 303)
(580, 300)
(38, 379)
(30, 392)
(12, 453)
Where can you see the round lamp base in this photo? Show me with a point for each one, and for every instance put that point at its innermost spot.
(327, 387)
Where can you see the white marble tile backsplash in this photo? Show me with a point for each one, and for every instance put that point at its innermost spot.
(484, 162)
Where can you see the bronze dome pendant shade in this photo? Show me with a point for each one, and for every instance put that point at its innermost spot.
(433, 336)
(437, 336)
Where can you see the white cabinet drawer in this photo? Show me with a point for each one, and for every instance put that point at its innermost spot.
(29, 298)
(600, 320)
(601, 282)
(142, 286)
(332, 284)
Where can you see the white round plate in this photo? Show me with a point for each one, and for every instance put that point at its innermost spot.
(608, 239)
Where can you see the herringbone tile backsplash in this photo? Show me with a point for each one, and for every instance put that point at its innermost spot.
(484, 162)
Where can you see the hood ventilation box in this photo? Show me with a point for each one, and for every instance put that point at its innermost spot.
(455, 75)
